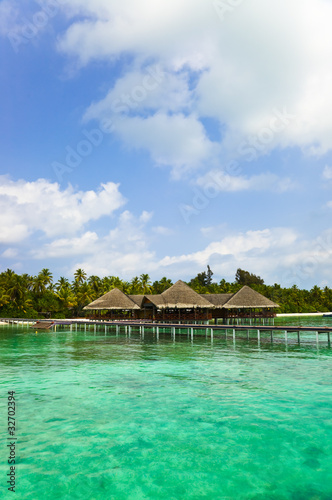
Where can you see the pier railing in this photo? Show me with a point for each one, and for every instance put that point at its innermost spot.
(252, 332)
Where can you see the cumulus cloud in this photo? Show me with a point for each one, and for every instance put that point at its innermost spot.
(261, 59)
(68, 247)
(278, 255)
(28, 207)
(238, 246)
(124, 250)
(177, 140)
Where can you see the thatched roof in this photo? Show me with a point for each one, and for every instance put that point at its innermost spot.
(247, 297)
(138, 299)
(115, 299)
(181, 296)
(217, 299)
(157, 300)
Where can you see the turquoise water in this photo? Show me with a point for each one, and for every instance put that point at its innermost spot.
(106, 417)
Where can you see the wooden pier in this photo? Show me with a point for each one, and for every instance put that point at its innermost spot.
(258, 332)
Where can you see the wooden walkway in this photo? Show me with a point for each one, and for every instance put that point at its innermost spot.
(257, 332)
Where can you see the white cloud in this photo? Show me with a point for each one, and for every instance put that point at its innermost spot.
(9, 13)
(263, 57)
(10, 253)
(150, 88)
(68, 247)
(219, 181)
(327, 172)
(28, 207)
(261, 252)
(177, 140)
(239, 246)
(124, 251)
(162, 231)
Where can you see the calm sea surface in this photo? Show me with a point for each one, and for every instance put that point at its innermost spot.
(106, 417)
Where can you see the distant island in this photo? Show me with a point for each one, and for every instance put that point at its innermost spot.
(25, 296)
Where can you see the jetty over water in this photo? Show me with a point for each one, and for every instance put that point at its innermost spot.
(259, 333)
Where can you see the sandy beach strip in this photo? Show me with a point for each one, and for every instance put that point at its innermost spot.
(290, 315)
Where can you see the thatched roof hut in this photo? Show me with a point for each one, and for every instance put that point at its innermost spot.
(217, 299)
(115, 299)
(248, 298)
(181, 296)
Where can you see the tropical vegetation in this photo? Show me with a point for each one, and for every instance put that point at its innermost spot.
(40, 296)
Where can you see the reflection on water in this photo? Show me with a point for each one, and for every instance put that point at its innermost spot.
(106, 416)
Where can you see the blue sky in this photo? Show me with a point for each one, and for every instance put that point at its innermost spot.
(153, 137)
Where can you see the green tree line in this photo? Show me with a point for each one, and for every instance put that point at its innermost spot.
(25, 296)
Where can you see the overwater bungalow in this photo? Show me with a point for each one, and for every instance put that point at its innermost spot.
(182, 304)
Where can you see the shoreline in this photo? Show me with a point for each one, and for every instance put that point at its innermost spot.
(290, 315)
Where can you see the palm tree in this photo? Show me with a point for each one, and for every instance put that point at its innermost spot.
(95, 284)
(83, 296)
(62, 283)
(161, 285)
(80, 276)
(42, 282)
(79, 279)
(135, 287)
(66, 297)
(145, 283)
(47, 277)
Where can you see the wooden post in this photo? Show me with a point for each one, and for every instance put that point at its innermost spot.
(286, 339)
(192, 334)
(234, 334)
(298, 336)
(258, 335)
(328, 339)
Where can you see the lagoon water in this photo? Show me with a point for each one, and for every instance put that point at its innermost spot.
(106, 417)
